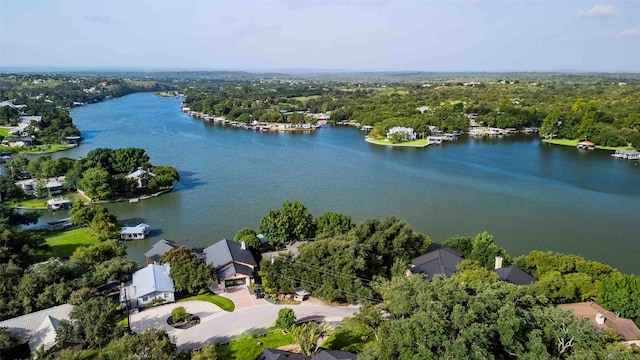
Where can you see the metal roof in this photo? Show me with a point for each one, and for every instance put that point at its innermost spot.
(152, 278)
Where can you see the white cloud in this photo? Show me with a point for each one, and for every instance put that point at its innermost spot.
(562, 38)
(598, 10)
(631, 32)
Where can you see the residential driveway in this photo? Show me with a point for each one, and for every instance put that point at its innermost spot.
(156, 318)
(222, 326)
(242, 298)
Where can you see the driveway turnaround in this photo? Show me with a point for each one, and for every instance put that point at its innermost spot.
(218, 326)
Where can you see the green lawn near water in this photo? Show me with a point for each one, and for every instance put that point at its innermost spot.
(247, 348)
(33, 202)
(574, 142)
(220, 301)
(4, 131)
(414, 143)
(63, 243)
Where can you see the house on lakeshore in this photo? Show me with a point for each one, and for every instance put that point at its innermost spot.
(49, 186)
(142, 176)
(137, 232)
(37, 330)
(512, 274)
(151, 283)
(407, 133)
(438, 262)
(601, 318)
(233, 262)
(162, 246)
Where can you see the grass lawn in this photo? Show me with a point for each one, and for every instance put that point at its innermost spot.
(63, 243)
(246, 348)
(414, 143)
(42, 203)
(348, 337)
(569, 142)
(221, 301)
(46, 149)
(4, 131)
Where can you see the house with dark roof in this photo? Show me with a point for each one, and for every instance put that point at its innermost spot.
(35, 330)
(232, 261)
(163, 245)
(438, 262)
(515, 275)
(151, 283)
(274, 354)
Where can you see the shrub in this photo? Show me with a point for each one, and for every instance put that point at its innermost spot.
(178, 314)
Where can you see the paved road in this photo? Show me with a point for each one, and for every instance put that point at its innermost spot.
(217, 326)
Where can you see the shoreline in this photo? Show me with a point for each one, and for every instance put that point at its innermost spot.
(383, 143)
(574, 143)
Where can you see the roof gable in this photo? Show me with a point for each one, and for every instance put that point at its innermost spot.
(438, 262)
(26, 326)
(152, 278)
(225, 251)
(515, 275)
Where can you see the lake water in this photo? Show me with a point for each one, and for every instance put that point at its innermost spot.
(527, 194)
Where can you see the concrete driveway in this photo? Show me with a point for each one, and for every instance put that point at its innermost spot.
(218, 326)
(242, 298)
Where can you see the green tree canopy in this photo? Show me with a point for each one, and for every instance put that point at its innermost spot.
(248, 236)
(189, 274)
(289, 223)
(332, 224)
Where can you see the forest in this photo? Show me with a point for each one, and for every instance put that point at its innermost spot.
(605, 113)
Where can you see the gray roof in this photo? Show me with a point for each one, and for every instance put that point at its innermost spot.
(38, 328)
(226, 251)
(333, 355)
(152, 278)
(439, 262)
(275, 354)
(228, 271)
(515, 275)
(159, 248)
(138, 174)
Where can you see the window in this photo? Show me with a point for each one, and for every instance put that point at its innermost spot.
(145, 298)
(165, 295)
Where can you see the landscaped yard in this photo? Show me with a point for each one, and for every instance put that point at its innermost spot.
(414, 143)
(63, 243)
(4, 131)
(42, 203)
(247, 348)
(349, 337)
(569, 142)
(221, 301)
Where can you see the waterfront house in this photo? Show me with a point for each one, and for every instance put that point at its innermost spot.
(163, 245)
(36, 330)
(407, 133)
(586, 145)
(151, 283)
(438, 262)
(601, 318)
(233, 262)
(627, 154)
(512, 274)
(49, 186)
(141, 176)
(137, 232)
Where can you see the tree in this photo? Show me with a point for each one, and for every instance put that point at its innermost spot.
(484, 251)
(81, 295)
(189, 274)
(369, 317)
(96, 183)
(308, 334)
(7, 340)
(289, 223)
(286, 319)
(127, 160)
(178, 314)
(101, 157)
(94, 321)
(89, 257)
(249, 237)
(621, 294)
(8, 189)
(207, 352)
(166, 170)
(332, 224)
(150, 345)
(104, 226)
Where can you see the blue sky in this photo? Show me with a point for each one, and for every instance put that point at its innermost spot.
(474, 35)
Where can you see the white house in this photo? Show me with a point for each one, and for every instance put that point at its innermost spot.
(142, 176)
(408, 133)
(137, 232)
(148, 284)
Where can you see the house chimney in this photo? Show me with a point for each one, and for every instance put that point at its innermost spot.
(243, 246)
(600, 319)
(498, 262)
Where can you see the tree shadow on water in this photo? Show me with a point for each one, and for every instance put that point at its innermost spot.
(188, 181)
